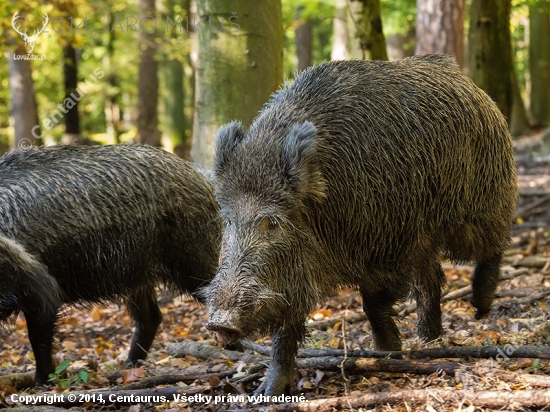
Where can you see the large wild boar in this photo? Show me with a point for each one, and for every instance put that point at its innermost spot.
(360, 173)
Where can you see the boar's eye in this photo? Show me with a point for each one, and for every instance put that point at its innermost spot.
(227, 221)
(273, 223)
(268, 223)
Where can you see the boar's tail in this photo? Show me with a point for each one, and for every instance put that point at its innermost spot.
(27, 285)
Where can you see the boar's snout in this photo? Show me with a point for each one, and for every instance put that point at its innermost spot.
(223, 333)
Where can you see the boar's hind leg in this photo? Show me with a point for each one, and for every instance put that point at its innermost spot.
(378, 308)
(41, 328)
(484, 284)
(145, 312)
(279, 379)
(428, 286)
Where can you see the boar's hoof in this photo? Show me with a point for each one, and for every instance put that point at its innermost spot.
(223, 334)
(275, 385)
(480, 314)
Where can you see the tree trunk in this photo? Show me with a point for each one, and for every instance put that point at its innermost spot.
(70, 72)
(440, 27)
(147, 121)
(173, 73)
(539, 60)
(368, 31)
(113, 110)
(490, 51)
(519, 123)
(27, 130)
(340, 32)
(303, 37)
(401, 46)
(237, 69)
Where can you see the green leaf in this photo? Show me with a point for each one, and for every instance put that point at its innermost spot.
(62, 367)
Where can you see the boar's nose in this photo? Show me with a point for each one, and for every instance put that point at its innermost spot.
(224, 334)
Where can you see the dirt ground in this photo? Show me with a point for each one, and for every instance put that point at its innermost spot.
(97, 339)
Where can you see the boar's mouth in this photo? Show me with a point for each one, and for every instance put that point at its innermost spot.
(224, 334)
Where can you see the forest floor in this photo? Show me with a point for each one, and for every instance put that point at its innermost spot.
(95, 340)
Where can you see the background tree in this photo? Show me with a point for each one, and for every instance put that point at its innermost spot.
(490, 50)
(23, 101)
(539, 60)
(70, 75)
(172, 71)
(368, 31)
(147, 121)
(303, 38)
(238, 67)
(440, 27)
(340, 49)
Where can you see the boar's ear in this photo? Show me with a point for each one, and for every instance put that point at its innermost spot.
(228, 137)
(301, 162)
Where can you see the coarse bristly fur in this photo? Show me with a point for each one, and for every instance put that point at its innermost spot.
(85, 225)
(360, 173)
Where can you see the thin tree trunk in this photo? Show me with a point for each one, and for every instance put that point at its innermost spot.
(303, 38)
(519, 123)
(147, 122)
(368, 30)
(113, 110)
(340, 32)
(401, 46)
(173, 73)
(440, 27)
(70, 71)
(238, 66)
(539, 60)
(490, 51)
(27, 130)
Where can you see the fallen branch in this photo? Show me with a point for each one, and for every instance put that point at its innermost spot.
(354, 365)
(456, 352)
(313, 353)
(332, 363)
(207, 350)
(531, 399)
(155, 381)
(524, 210)
(522, 301)
(523, 378)
(17, 380)
(528, 261)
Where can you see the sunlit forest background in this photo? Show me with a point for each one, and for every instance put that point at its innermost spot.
(170, 72)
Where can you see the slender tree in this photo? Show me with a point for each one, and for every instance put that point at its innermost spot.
(303, 38)
(147, 121)
(24, 111)
(340, 31)
(490, 50)
(440, 27)
(173, 73)
(70, 72)
(113, 106)
(539, 60)
(239, 66)
(367, 29)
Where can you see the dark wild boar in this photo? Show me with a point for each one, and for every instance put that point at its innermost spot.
(84, 225)
(360, 173)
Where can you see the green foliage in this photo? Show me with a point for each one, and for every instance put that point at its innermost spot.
(63, 379)
(320, 13)
(398, 16)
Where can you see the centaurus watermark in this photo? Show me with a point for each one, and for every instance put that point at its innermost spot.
(147, 24)
(30, 40)
(69, 102)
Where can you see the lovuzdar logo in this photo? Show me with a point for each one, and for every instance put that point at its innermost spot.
(17, 23)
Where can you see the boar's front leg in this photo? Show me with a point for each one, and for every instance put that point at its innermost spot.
(279, 379)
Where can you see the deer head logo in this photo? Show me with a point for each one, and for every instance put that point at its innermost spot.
(29, 40)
